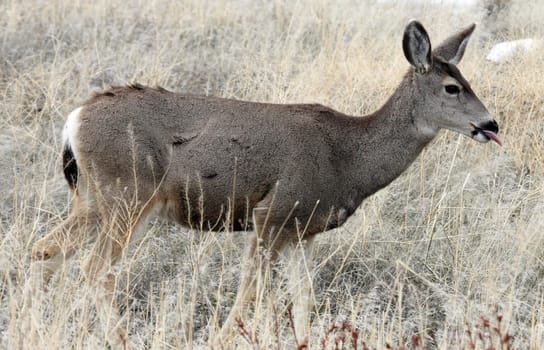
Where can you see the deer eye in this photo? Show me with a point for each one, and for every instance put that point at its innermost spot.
(452, 89)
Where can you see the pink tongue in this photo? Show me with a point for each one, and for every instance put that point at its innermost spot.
(492, 136)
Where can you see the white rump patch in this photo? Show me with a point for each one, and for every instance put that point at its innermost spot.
(71, 127)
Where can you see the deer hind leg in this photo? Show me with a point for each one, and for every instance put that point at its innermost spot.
(118, 231)
(97, 268)
(50, 252)
(261, 252)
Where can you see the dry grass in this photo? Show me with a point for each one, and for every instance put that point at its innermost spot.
(458, 237)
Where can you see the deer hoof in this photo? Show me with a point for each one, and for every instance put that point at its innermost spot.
(44, 251)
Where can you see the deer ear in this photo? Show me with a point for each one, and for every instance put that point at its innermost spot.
(453, 48)
(417, 47)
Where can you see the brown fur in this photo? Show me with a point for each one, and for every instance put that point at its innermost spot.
(218, 163)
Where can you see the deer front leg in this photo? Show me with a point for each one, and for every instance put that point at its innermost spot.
(261, 252)
(246, 290)
(300, 285)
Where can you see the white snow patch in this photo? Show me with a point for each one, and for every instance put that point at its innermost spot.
(468, 4)
(504, 51)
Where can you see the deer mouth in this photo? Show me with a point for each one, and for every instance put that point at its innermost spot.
(486, 132)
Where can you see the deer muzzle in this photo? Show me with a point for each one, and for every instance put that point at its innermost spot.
(486, 131)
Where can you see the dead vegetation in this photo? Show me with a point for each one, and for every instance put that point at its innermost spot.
(454, 242)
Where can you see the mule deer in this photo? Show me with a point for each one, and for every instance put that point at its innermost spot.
(299, 169)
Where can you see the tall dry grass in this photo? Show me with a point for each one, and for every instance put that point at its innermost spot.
(456, 239)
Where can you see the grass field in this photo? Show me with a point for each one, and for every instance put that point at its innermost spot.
(454, 245)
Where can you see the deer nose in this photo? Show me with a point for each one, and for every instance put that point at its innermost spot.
(491, 126)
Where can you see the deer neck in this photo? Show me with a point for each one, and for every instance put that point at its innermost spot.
(389, 140)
